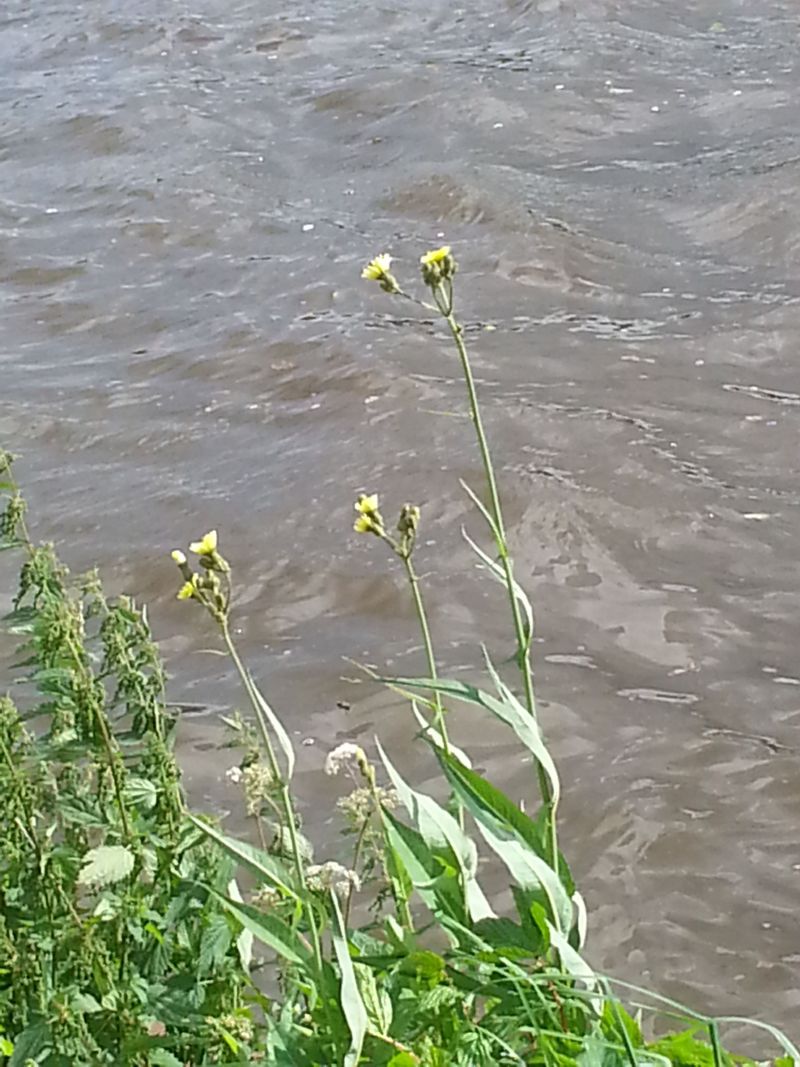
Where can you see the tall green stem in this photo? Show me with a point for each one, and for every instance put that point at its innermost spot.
(422, 616)
(444, 300)
(283, 788)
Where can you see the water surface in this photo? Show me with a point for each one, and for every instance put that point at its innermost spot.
(187, 194)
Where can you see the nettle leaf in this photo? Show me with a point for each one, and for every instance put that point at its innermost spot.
(105, 865)
(142, 792)
(214, 944)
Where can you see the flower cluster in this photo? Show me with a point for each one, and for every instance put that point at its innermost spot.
(369, 518)
(346, 757)
(210, 586)
(437, 266)
(322, 877)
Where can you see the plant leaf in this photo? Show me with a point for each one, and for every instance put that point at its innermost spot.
(269, 929)
(352, 1005)
(258, 861)
(277, 726)
(244, 942)
(520, 594)
(439, 828)
(105, 865)
(431, 734)
(439, 890)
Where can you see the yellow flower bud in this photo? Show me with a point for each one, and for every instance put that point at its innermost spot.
(363, 524)
(178, 557)
(188, 589)
(206, 546)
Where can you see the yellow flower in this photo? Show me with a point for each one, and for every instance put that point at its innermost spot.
(435, 257)
(188, 589)
(179, 557)
(206, 546)
(367, 505)
(377, 268)
(363, 524)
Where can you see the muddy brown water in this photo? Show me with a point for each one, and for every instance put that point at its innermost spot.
(187, 194)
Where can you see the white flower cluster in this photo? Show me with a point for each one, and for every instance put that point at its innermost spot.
(321, 877)
(346, 756)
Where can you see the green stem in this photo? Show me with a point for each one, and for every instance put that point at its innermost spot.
(283, 789)
(444, 300)
(422, 616)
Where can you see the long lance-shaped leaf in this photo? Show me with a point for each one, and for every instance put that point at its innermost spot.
(500, 815)
(527, 869)
(525, 720)
(440, 829)
(479, 504)
(498, 572)
(574, 964)
(258, 861)
(352, 1005)
(277, 727)
(268, 929)
(433, 735)
(509, 711)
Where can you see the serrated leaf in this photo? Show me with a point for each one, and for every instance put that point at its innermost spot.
(508, 937)
(105, 865)
(214, 944)
(352, 1005)
(142, 793)
(439, 828)
(21, 620)
(30, 1044)
(161, 1057)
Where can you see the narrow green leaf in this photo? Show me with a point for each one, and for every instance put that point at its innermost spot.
(352, 1005)
(507, 709)
(497, 571)
(439, 828)
(105, 865)
(575, 965)
(430, 732)
(244, 942)
(479, 504)
(258, 861)
(267, 928)
(438, 890)
(277, 727)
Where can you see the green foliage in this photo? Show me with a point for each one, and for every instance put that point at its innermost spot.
(125, 938)
(111, 952)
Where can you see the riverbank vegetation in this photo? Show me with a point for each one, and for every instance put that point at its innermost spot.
(136, 931)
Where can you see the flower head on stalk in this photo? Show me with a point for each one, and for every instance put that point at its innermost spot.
(437, 265)
(369, 518)
(377, 270)
(407, 526)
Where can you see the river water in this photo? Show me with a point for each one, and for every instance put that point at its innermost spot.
(187, 194)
